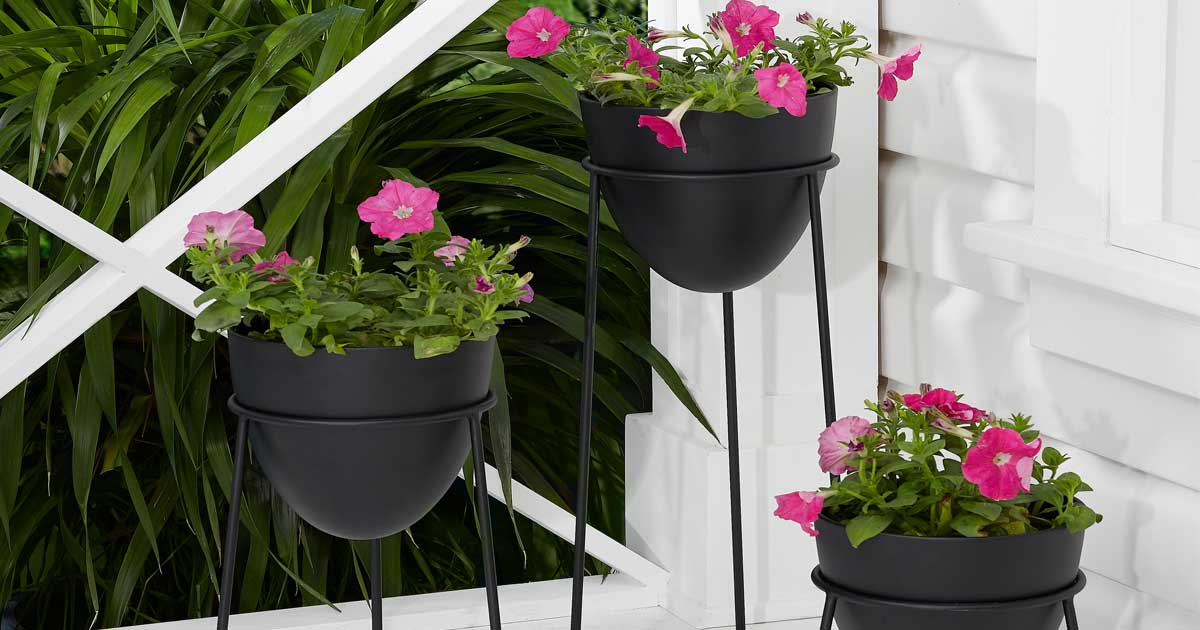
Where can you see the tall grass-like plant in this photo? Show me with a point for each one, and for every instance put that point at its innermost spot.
(114, 458)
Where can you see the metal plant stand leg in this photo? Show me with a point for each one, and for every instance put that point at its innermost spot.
(585, 404)
(1069, 613)
(232, 524)
(483, 504)
(818, 246)
(827, 615)
(377, 584)
(735, 469)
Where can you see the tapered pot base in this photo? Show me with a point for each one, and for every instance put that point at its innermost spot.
(347, 441)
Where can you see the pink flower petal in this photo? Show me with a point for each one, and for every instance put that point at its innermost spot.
(229, 229)
(749, 25)
(1001, 463)
(399, 208)
(783, 86)
(535, 34)
(841, 441)
(800, 507)
(888, 87)
(666, 132)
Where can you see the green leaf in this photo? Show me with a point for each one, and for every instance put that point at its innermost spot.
(1079, 517)
(560, 88)
(300, 188)
(296, 338)
(218, 316)
(145, 96)
(867, 526)
(989, 511)
(426, 347)
(969, 525)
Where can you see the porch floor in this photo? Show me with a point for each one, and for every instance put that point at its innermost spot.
(644, 619)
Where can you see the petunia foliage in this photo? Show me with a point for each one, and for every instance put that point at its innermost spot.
(932, 465)
(736, 64)
(436, 292)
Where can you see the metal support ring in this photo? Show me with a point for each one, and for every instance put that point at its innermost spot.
(791, 171)
(858, 597)
(427, 418)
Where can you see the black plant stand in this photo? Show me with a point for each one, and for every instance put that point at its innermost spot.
(472, 414)
(811, 173)
(835, 593)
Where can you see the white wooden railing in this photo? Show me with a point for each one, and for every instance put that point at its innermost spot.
(141, 262)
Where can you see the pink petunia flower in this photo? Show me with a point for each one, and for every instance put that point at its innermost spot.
(783, 86)
(945, 401)
(483, 286)
(801, 507)
(452, 250)
(667, 128)
(1001, 463)
(841, 441)
(278, 265)
(893, 69)
(805, 18)
(645, 58)
(536, 33)
(398, 209)
(526, 295)
(226, 229)
(749, 25)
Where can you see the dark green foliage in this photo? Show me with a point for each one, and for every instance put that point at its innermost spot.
(114, 458)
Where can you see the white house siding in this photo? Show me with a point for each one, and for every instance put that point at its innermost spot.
(957, 147)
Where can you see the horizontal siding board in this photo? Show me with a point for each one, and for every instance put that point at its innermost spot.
(966, 107)
(1008, 27)
(936, 332)
(924, 206)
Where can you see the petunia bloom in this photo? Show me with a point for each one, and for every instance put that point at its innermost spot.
(645, 58)
(452, 250)
(783, 86)
(535, 34)
(1001, 463)
(667, 129)
(800, 507)
(226, 229)
(526, 294)
(946, 402)
(278, 264)
(483, 286)
(841, 441)
(898, 68)
(398, 209)
(749, 25)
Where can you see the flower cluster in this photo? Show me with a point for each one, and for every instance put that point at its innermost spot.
(932, 465)
(737, 64)
(441, 290)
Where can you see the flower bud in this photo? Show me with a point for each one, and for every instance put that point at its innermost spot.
(658, 34)
(609, 77)
(805, 18)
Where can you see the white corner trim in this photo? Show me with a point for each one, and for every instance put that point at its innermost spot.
(1135, 275)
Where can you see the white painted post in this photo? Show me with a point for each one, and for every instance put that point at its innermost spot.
(677, 501)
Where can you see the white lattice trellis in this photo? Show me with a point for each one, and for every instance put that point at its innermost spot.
(141, 261)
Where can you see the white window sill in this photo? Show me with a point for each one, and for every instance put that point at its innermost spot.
(1113, 308)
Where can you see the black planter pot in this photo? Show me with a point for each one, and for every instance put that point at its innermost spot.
(348, 475)
(949, 570)
(713, 235)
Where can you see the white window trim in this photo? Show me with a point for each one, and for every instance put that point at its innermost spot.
(1107, 287)
(1139, 218)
